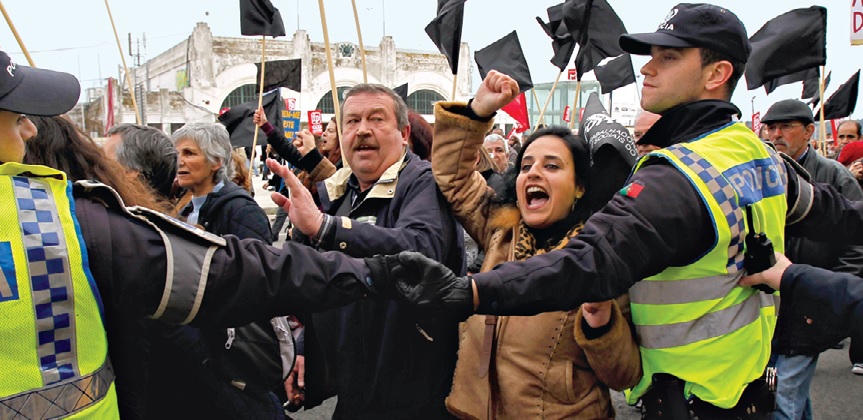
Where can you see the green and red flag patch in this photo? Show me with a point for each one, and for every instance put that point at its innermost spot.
(632, 190)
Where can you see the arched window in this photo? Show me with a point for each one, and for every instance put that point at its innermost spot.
(422, 101)
(244, 93)
(326, 102)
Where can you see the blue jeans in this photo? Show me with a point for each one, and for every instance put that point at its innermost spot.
(794, 374)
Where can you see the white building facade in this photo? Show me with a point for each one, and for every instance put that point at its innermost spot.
(195, 79)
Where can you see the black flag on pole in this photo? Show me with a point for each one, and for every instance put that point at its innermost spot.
(260, 17)
(282, 73)
(800, 76)
(506, 56)
(402, 91)
(561, 40)
(815, 89)
(810, 84)
(842, 102)
(597, 28)
(238, 118)
(445, 30)
(791, 42)
(612, 152)
(615, 74)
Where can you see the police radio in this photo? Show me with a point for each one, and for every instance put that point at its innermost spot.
(759, 252)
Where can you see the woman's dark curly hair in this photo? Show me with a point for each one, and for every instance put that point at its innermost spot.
(580, 151)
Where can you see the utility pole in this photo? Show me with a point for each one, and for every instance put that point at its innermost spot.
(140, 92)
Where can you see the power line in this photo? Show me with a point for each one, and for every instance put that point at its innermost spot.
(88, 46)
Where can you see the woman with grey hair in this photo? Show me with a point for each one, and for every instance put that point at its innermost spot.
(204, 169)
(212, 362)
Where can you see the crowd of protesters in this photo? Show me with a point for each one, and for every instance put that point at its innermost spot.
(431, 271)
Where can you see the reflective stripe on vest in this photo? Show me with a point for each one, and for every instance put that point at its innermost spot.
(60, 399)
(694, 321)
(724, 195)
(53, 345)
(50, 280)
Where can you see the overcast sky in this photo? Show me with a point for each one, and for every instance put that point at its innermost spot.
(76, 36)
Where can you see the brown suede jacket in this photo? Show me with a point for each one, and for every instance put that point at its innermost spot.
(520, 367)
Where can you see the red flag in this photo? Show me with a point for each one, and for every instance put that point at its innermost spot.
(513, 131)
(517, 109)
(567, 115)
(756, 123)
(109, 118)
(833, 131)
(316, 122)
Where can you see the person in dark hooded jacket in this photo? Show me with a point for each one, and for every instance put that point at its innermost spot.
(221, 207)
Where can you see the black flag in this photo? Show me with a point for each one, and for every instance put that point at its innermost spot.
(596, 28)
(260, 17)
(810, 84)
(402, 91)
(238, 119)
(561, 40)
(789, 43)
(445, 30)
(282, 73)
(815, 89)
(800, 76)
(615, 74)
(505, 55)
(612, 152)
(842, 102)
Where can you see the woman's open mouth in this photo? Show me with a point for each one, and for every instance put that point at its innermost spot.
(536, 197)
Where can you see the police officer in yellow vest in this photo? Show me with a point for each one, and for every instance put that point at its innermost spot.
(675, 234)
(72, 258)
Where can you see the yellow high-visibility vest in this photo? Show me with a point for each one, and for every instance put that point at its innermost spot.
(53, 346)
(695, 322)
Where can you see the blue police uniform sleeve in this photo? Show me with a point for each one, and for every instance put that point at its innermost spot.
(634, 236)
(831, 302)
(158, 267)
(822, 213)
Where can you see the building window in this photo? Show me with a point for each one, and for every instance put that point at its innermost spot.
(175, 127)
(422, 101)
(326, 102)
(245, 93)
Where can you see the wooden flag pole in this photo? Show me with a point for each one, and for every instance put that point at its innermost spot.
(260, 101)
(536, 100)
(821, 128)
(360, 37)
(125, 68)
(547, 100)
(454, 82)
(15, 34)
(575, 105)
(334, 90)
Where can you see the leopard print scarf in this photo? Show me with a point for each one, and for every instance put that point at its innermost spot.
(525, 245)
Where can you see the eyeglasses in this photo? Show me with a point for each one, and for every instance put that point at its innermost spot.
(782, 126)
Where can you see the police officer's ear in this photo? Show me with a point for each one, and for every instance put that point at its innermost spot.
(717, 75)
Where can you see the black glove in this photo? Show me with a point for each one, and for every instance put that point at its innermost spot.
(381, 266)
(422, 282)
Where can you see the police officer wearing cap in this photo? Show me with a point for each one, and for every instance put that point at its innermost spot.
(74, 260)
(674, 237)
